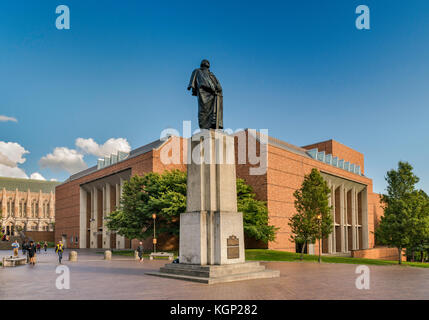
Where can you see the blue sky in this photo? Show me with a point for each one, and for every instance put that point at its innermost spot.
(299, 68)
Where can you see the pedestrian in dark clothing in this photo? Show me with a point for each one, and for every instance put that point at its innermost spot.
(32, 253)
(38, 246)
(25, 250)
(24, 247)
(45, 245)
(140, 251)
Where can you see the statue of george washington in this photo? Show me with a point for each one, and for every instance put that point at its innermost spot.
(207, 88)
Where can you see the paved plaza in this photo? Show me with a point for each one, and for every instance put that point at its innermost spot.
(123, 278)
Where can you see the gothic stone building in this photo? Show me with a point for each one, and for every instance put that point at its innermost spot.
(28, 205)
(84, 200)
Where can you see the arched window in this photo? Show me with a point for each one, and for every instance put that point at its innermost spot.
(21, 207)
(46, 209)
(9, 207)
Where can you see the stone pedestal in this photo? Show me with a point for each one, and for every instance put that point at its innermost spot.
(107, 255)
(211, 248)
(211, 220)
(211, 274)
(211, 238)
(73, 256)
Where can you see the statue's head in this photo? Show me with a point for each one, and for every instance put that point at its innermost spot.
(205, 64)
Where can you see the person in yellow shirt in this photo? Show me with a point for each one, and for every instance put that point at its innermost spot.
(59, 249)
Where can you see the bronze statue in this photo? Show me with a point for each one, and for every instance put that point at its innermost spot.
(207, 88)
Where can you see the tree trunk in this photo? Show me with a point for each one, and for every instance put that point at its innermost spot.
(302, 250)
(400, 255)
(412, 256)
(320, 240)
(422, 257)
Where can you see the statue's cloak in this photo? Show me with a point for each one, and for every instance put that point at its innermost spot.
(207, 88)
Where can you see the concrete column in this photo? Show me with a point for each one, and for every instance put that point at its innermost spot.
(332, 240)
(118, 195)
(106, 212)
(346, 221)
(120, 240)
(82, 218)
(93, 223)
(354, 217)
(342, 217)
(330, 204)
(365, 231)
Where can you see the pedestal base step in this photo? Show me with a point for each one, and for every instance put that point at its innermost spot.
(211, 274)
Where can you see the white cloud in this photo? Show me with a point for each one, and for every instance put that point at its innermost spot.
(12, 153)
(37, 176)
(64, 159)
(12, 172)
(6, 161)
(111, 146)
(6, 118)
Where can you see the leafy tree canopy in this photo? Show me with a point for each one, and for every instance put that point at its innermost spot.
(313, 217)
(405, 220)
(165, 195)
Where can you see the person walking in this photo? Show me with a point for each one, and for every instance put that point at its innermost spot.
(140, 251)
(45, 246)
(15, 247)
(38, 246)
(24, 247)
(32, 253)
(59, 249)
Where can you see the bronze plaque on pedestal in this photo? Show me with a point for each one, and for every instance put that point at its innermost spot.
(233, 247)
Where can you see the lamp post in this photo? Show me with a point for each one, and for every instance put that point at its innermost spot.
(319, 218)
(154, 234)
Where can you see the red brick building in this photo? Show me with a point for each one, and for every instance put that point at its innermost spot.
(356, 208)
(87, 197)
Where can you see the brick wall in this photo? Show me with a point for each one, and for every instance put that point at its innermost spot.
(285, 173)
(67, 195)
(375, 212)
(382, 253)
(339, 150)
(41, 236)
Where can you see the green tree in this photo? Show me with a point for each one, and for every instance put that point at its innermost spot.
(313, 218)
(403, 206)
(165, 195)
(162, 194)
(419, 226)
(255, 214)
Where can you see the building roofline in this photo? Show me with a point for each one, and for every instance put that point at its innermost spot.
(154, 145)
(33, 185)
(332, 140)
